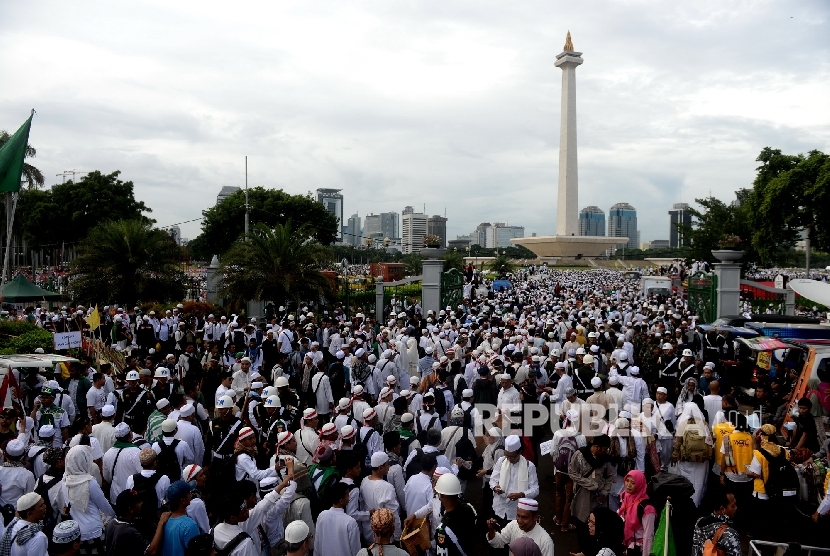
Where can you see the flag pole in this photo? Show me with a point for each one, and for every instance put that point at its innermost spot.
(668, 526)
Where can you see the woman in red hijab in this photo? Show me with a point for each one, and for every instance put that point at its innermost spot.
(637, 513)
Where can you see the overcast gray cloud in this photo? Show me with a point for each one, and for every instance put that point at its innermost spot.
(451, 104)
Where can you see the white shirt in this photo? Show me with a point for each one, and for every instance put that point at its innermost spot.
(197, 512)
(322, 388)
(191, 434)
(307, 442)
(241, 380)
(127, 464)
(104, 432)
(418, 492)
(272, 522)
(511, 532)
(16, 482)
(96, 398)
(712, 403)
(501, 505)
(161, 485)
(36, 546)
(380, 494)
(337, 534)
(90, 520)
(225, 533)
(246, 469)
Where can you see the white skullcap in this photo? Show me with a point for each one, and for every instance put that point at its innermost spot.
(467, 393)
(296, 532)
(28, 501)
(122, 430)
(512, 443)
(168, 425)
(360, 352)
(634, 370)
(379, 458)
(613, 380)
(15, 448)
(596, 382)
(108, 410)
(187, 410)
(528, 504)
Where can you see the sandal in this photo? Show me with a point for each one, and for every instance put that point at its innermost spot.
(568, 528)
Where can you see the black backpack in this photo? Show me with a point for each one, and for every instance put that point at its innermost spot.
(51, 518)
(422, 433)
(414, 466)
(466, 450)
(440, 401)
(146, 489)
(168, 462)
(782, 481)
(361, 450)
(234, 542)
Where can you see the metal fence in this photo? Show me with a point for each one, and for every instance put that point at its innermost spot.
(703, 295)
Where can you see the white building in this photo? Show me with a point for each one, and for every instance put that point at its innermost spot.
(499, 235)
(413, 230)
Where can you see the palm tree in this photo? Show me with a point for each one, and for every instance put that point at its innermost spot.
(32, 175)
(278, 265)
(502, 264)
(125, 261)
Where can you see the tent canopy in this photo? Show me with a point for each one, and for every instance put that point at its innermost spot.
(20, 290)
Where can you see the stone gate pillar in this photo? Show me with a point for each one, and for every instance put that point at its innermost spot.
(431, 285)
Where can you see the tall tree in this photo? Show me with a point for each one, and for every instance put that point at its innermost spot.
(33, 176)
(791, 194)
(716, 219)
(224, 223)
(70, 210)
(126, 261)
(278, 264)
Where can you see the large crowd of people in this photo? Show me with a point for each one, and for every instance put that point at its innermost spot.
(562, 411)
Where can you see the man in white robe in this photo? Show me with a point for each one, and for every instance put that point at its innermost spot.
(513, 478)
(525, 525)
(377, 493)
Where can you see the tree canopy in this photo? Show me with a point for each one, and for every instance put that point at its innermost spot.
(790, 194)
(68, 211)
(126, 261)
(278, 264)
(224, 223)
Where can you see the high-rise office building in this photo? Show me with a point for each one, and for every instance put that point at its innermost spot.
(175, 233)
(479, 235)
(591, 221)
(385, 224)
(500, 235)
(372, 225)
(413, 230)
(679, 215)
(622, 222)
(437, 226)
(353, 231)
(408, 210)
(226, 192)
(333, 201)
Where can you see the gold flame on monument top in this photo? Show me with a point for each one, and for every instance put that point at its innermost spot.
(569, 46)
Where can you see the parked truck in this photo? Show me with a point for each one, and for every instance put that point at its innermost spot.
(656, 285)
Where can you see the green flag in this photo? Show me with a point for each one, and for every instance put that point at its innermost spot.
(11, 157)
(663, 544)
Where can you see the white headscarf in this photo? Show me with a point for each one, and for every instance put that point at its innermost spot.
(76, 477)
(403, 357)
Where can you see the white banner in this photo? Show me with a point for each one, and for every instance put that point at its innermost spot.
(66, 340)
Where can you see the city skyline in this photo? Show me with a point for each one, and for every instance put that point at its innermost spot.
(397, 104)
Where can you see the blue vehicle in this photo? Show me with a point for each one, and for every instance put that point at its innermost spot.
(791, 331)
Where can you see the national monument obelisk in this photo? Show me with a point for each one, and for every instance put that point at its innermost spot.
(567, 242)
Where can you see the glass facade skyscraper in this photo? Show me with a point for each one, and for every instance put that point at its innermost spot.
(622, 222)
(591, 221)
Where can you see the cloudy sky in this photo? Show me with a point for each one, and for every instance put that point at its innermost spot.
(402, 102)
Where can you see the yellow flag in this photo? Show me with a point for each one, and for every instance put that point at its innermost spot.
(94, 319)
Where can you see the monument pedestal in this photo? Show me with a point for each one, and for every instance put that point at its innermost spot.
(571, 247)
(729, 288)
(431, 285)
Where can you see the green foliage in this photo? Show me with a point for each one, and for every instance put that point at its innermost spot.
(413, 264)
(32, 176)
(67, 212)
(360, 256)
(513, 252)
(224, 223)
(24, 337)
(124, 262)
(279, 265)
(453, 259)
(502, 264)
(715, 221)
(790, 194)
